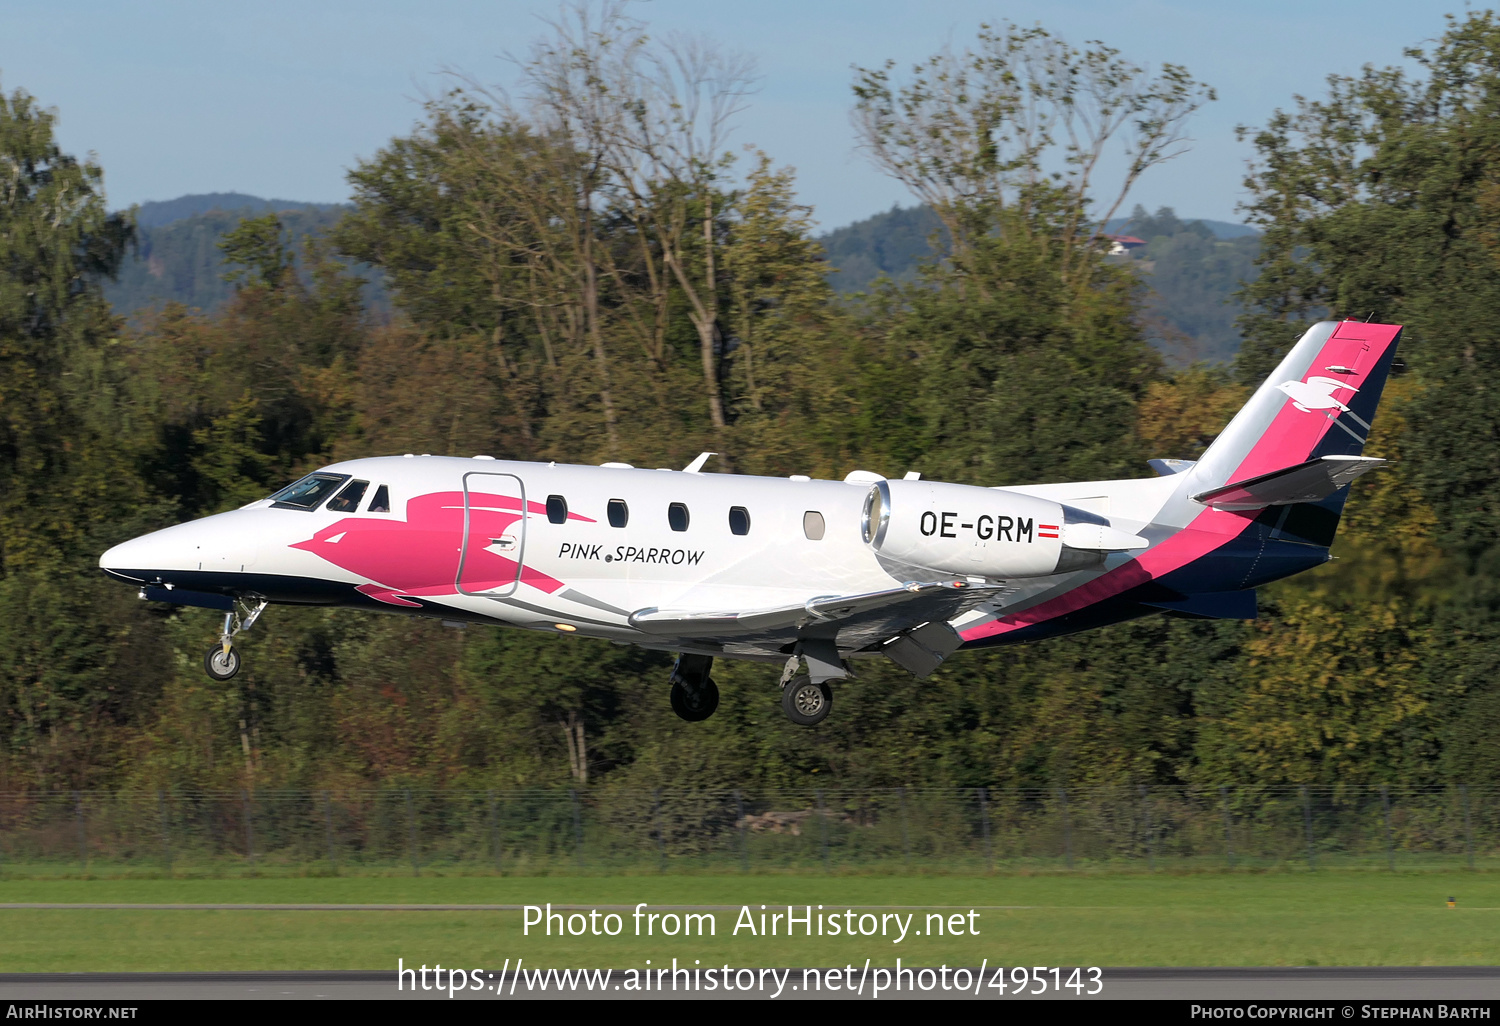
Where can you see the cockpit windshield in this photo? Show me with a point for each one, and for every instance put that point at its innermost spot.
(308, 493)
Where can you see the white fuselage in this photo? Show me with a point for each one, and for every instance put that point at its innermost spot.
(770, 568)
(605, 572)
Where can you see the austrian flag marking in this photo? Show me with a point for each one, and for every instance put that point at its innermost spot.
(1046, 530)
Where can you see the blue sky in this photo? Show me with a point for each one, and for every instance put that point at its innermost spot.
(281, 98)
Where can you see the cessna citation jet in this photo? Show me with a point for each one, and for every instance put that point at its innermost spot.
(794, 571)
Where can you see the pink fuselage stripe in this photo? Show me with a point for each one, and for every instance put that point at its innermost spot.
(1293, 431)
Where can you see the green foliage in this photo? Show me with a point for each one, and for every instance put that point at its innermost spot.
(1005, 312)
(892, 244)
(257, 253)
(56, 240)
(1377, 201)
(1192, 275)
(558, 298)
(1192, 268)
(178, 259)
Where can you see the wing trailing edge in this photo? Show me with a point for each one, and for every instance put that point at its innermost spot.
(823, 609)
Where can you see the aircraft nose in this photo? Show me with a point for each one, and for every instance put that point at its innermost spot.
(219, 544)
(129, 559)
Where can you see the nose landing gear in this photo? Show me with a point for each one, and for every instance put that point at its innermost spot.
(695, 696)
(222, 661)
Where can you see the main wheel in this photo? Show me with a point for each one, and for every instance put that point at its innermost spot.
(221, 665)
(698, 704)
(806, 703)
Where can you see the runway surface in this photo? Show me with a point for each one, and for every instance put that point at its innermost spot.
(1356, 985)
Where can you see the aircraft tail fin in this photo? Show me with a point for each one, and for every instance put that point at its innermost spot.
(1319, 402)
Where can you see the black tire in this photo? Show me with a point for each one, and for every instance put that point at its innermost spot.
(699, 704)
(219, 665)
(805, 703)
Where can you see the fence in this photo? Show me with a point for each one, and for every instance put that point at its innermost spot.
(618, 831)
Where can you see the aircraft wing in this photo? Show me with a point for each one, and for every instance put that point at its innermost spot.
(920, 601)
(1306, 482)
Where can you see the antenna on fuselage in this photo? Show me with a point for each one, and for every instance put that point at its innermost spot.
(696, 467)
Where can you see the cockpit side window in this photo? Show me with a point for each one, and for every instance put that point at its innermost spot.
(347, 501)
(382, 501)
(309, 493)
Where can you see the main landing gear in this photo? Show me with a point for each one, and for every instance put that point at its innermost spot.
(805, 703)
(222, 661)
(806, 698)
(695, 696)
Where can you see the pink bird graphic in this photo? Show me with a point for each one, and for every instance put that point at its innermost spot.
(420, 555)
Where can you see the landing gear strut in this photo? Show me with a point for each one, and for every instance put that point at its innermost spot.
(222, 661)
(695, 696)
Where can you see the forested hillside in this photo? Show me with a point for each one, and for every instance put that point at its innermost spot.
(1193, 269)
(568, 287)
(176, 256)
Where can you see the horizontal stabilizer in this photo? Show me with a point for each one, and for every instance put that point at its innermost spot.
(823, 609)
(1167, 468)
(1306, 482)
(1217, 605)
(178, 597)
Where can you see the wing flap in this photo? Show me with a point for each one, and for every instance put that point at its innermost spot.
(1306, 482)
(830, 609)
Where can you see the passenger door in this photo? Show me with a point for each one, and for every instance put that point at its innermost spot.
(494, 535)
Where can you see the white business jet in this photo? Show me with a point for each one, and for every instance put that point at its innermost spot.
(798, 572)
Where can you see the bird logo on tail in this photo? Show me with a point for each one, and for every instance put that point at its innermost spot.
(1316, 393)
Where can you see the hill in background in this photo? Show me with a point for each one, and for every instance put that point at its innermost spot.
(1193, 268)
(177, 256)
(156, 213)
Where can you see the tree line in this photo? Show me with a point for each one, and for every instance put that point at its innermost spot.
(580, 272)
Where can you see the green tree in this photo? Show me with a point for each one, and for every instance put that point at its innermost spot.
(56, 242)
(1377, 200)
(257, 252)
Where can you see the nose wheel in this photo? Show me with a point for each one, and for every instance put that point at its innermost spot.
(698, 703)
(695, 696)
(222, 661)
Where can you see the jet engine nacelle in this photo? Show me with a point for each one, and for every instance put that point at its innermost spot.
(985, 532)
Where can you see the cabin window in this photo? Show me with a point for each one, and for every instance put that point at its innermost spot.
(677, 516)
(557, 509)
(739, 520)
(382, 501)
(347, 501)
(308, 493)
(812, 525)
(619, 513)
